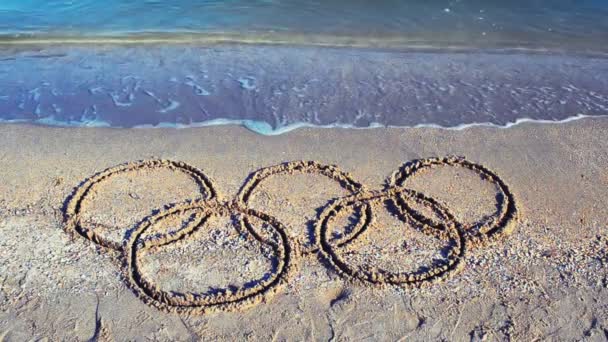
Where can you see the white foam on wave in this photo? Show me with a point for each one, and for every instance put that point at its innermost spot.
(247, 83)
(171, 106)
(261, 127)
(264, 128)
(51, 121)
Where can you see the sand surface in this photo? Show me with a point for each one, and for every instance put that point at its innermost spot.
(545, 278)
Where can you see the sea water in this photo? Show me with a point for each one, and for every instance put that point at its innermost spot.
(469, 22)
(276, 64)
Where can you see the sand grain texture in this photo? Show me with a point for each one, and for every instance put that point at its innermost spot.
(546, 278)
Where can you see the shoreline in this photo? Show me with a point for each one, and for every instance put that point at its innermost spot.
(264, 128)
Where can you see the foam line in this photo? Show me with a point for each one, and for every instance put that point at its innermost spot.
(264, 128)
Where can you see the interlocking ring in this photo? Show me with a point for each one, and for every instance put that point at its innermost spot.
(492, 227)
(311, 167)
(74, 207)
(449, 232)
(226, 299)
(447, 229)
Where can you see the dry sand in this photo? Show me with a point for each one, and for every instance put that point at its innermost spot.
(545, 280)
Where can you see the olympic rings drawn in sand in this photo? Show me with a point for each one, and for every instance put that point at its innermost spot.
(196, 303)
(287, 251)
(76, 202)
(345, 181)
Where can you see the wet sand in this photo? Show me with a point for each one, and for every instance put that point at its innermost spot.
(544, 278)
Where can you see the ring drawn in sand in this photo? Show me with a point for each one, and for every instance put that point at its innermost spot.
(445, 228)
(76, 202)
(424, 274)
(225, 299)
(487, 229)
(311, 167)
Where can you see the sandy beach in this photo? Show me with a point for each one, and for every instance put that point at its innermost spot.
(287, 170)
(545, 278)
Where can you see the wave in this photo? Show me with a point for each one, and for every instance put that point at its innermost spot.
(264, 128)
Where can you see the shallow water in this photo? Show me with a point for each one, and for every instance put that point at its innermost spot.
(271, 89)
(166, 63)
(537, 23)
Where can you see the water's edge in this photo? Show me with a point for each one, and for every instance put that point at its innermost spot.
(263, 128)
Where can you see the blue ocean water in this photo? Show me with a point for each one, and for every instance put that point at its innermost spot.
(542, 23)
(290, 63)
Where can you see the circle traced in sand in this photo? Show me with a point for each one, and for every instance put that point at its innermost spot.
(226, 299)
(449, 232)
(487, 228)
(77, 203)
(345, 181)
